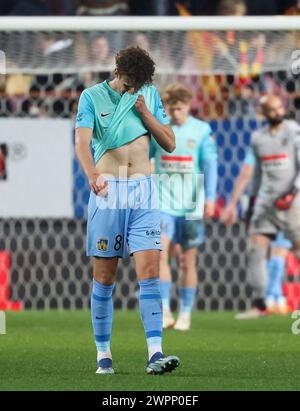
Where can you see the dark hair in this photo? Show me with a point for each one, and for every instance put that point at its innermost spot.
(136, 64)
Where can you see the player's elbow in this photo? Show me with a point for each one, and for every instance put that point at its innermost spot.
(170, 147)
(78, 144)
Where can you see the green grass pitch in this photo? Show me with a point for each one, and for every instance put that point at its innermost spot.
(54, 350)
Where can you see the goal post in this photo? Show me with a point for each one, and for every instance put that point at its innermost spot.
(156, 23)
(183, 45)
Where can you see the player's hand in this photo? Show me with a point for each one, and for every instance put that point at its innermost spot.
(98, 184)
(229, 215)
(285, 202)
(102, 185)
(209, 209)
(140, 105)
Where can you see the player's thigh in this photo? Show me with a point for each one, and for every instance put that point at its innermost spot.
(105, 269)
(143, 229)
(175, 251)
(167, 225)
(165, 259)
(260, 240)
(167, 229)
(281, 246)
(147, 264)
(262, 230)
(193, 234)
(292, 225)
(166, 248)
(106, 235)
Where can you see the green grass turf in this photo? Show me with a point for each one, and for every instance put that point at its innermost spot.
(54, 350)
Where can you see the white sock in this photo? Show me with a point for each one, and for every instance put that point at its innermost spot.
(153, 349)
(103, 354)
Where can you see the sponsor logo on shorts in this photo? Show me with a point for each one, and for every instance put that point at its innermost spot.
(102, 244)
(153, 232)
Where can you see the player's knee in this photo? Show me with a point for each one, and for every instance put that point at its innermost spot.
(187, 262)
(184, 263)
(149, 270)
(163, 258)
(104, 276)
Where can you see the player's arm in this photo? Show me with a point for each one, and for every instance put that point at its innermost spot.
(285, 202)
(210, 162)
(229, 213)
(84, 130)
(160, 129)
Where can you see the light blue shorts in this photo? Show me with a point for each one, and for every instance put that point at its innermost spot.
(282, 241)
(187, 233)
(126, 221)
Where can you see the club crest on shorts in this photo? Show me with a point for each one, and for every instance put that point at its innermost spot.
(102, 244)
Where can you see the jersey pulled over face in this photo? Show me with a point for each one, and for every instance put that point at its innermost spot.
(276, 159)
(113, 117)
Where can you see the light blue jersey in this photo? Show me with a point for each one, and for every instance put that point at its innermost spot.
(195, 154)
(113, 117)
(191, 168)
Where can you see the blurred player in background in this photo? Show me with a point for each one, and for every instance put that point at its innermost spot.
(182, 221)
(275, 300)
(118, 116)
(276, 184)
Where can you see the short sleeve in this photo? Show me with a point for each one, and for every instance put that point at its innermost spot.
(85, 113)
(250, 157)
(208, 147)
(159, 110)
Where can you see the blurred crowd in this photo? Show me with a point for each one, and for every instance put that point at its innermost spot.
(146, 7)
(177, 54)
(216, 97)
